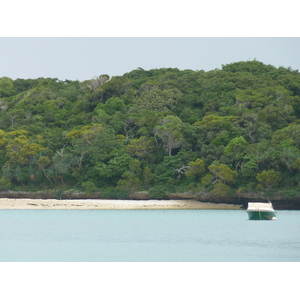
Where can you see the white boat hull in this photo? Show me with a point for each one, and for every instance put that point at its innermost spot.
(261, 211)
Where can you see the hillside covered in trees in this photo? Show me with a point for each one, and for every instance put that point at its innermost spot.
(221, 132)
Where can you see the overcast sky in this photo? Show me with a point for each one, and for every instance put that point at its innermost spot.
(79, 40)
(84, 58)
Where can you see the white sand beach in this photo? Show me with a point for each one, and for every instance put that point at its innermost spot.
(10, 203)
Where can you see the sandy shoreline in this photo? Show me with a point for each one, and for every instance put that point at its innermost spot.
(9, 203)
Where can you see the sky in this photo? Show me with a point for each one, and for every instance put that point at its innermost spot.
(82, 58)
(79, 40)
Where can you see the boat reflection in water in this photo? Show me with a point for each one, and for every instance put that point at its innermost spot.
(261, 211)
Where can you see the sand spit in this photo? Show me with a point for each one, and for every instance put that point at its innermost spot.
(9, 203)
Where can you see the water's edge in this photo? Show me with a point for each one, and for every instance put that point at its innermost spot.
(242, 199)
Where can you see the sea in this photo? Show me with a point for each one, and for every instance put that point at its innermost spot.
(147, 236)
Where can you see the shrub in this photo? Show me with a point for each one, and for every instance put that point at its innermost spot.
(221, 189)
(269, 178)
(157, 192)
(4, 184)
(111, 193)
(89, 187)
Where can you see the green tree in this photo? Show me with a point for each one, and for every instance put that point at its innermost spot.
(148, 176)
(160, 127)
(207, 179)
(223, 173)
(196, 168)
(140, 147)
(269, 178)
(279, 116)
(170, 133)
(19, 150)
(89, 187)
(289, 156)
(251, 66)
(3, 139)
(220, 189)
(7, 88)
(115, 166)
(158, 192)
(43, 162)
(249, 168)
(112, 105)
(158, 100)
(235, 146)
(62, 164)
(4, 183)
(129, 182)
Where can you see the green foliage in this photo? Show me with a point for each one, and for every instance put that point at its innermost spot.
(19, 150)
(7, 88)
(223, 173)
(235, 146)
(117, 165)
(3, 139)
(89, 187)
(249, 168)
(58, 194)
(4, 183)
(129, 182)
(155, 130)
(269, 178)
(147, 176)
(112, 193)
(158, 100)
(170, 133)
(141, 147)
(112, 105)
(207, 179)
(157, 192)
(43, 162)
(211, 120)
(289, 194)
(197, 167)
(220, 189)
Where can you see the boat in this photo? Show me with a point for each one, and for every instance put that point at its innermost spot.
(261, 211)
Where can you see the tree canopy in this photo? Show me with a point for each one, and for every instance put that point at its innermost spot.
(160, 130)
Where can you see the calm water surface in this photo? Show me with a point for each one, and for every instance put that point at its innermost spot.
(147, 236)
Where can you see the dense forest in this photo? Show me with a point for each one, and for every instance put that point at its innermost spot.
(220, 132)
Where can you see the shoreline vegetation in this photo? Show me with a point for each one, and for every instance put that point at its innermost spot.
(229, 135)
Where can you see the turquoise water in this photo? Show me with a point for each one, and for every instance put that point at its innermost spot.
(147, 236)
